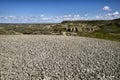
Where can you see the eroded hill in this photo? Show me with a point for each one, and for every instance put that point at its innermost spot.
(105, 29)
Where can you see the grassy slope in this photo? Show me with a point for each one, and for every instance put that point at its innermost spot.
(114, 37)
(110, 29)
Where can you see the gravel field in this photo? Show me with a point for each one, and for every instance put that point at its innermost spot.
(47, 57)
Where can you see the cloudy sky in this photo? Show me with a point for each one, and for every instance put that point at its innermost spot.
(52, 11)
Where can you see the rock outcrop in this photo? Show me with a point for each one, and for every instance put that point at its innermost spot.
(82, 29)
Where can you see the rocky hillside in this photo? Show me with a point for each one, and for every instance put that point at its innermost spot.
(105, 29)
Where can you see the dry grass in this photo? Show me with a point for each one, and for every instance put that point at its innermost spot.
(40, 57)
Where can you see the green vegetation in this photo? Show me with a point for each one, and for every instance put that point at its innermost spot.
(24, 29)
(103, 29)
(109, 29)
(114, 37)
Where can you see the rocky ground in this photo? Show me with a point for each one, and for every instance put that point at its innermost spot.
(42, 57)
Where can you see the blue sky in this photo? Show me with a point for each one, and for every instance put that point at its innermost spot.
(47, 11)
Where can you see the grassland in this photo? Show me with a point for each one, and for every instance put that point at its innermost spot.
(46, 57)
(108, 29)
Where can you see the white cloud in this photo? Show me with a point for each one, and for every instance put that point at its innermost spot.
(113, 14)
(67, 17)
(47, 19)
(107, 8)
(42, 15)
(40, 18)
(116, 13)
(77, 16)
(108, 16)
(97, 17)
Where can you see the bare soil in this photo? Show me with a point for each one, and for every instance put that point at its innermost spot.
(43, 57)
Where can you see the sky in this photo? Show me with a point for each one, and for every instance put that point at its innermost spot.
(55, 11)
